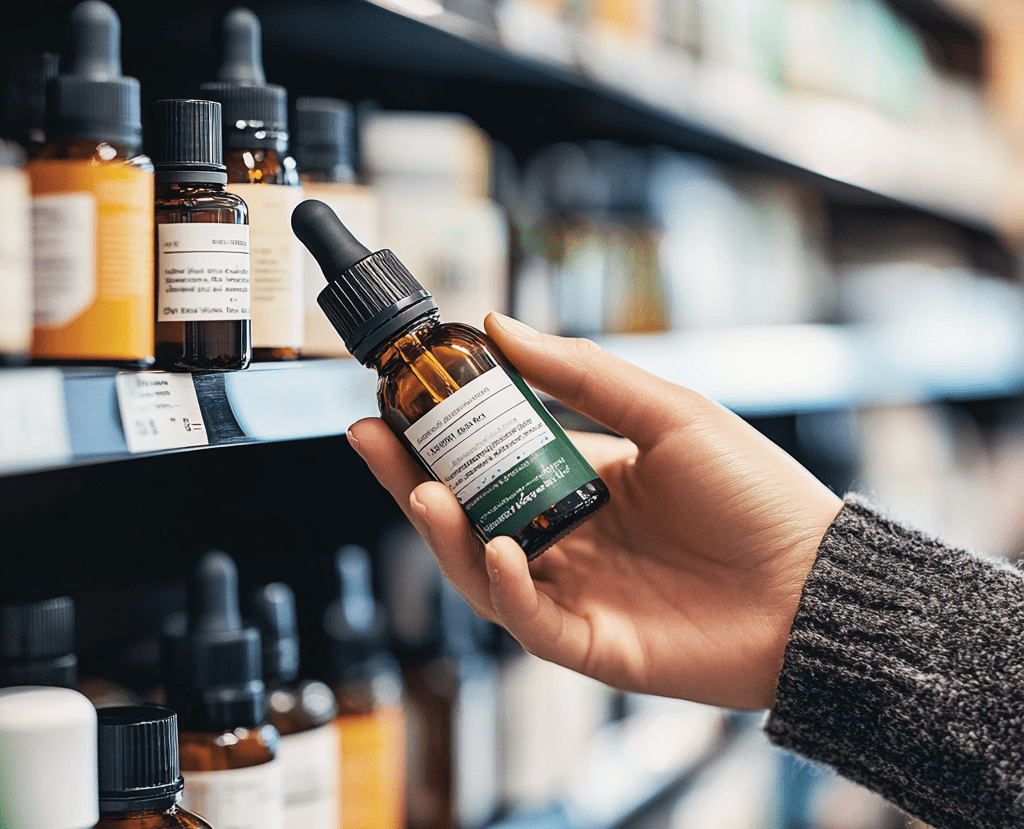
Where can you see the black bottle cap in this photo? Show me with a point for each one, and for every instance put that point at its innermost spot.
(224, 658)
(25, 96)
(273, 611)
(369, 296)
(138, 759)
(90, 99)
(188, 138)
(322, 137)
(353, 623)
(37, 644)
(255, 113)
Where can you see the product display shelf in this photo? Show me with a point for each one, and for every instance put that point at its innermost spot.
(530, 84)
(56, 417)
(637, 765)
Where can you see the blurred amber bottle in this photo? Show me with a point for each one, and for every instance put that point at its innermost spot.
(255, 118)
(367, 684)
(302, 711)
(93, 206)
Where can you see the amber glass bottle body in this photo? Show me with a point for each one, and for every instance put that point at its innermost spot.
(295, 707)
(114, 325)
(235, 748)
(265, 166)
(372, 737)
(172, 818)
(427, 362)
(201, 345)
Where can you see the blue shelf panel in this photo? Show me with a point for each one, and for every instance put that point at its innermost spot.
(50, 418)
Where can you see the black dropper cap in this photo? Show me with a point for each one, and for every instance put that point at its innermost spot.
(322, 137)
(25, 96)
(188, 141)
(224, 658)
(37, 644)
(273, 611)
(369, 296)
(353, 623)
(138, 759)
(90, 99)
(255, 112)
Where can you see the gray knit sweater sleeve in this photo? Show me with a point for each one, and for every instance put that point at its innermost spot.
(905, 671)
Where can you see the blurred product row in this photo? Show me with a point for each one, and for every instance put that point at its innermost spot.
(464, 731)
(228, 282)
(448, 738)
(850, 88)
(585, 238)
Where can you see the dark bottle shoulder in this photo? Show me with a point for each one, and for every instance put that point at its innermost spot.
(195, 200)
(172, 818)
(261, 166)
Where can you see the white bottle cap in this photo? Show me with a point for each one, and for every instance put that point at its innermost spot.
(48, 765)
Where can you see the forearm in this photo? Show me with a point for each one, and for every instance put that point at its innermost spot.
(905, 671)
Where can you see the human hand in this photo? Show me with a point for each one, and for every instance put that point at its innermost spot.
(686, 583)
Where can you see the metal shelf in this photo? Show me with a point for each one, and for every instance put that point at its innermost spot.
(52, 418)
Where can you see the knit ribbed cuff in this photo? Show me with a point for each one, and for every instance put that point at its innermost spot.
(905, 671)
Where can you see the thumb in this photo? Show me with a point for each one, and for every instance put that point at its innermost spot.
(582, 375)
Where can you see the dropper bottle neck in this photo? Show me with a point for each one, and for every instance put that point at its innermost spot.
(405, 345)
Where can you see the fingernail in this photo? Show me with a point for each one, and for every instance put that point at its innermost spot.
(418, 506)
(491, 560)
(352, 439)
(514, 327)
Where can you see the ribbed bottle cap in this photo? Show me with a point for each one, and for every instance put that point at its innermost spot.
(37, 643)
(188, 135)
(369, 297)
(224, 658)
(25, 95)
(47, 759)
(273, 611)
(138, 758)
(322, 136)
(91, 99)
(255, 113)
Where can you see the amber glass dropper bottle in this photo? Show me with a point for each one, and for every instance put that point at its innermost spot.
(139, 776)
(302, 711)
(202, 245)
(367, 681)
(450, 395)
(93, 206)
(227, 749)
(260, 170)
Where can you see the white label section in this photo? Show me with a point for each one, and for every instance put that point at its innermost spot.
(33, 419)
(159, 411)
(238, 798)
(64, 256)
(476, 747)
(275, 264)
(470, 438)
(311, 778)
(15, 265)
(202, 272)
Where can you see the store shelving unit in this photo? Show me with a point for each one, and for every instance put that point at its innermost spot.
(81, 511)
(51, 418)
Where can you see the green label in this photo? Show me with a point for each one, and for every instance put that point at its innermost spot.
(500, 451)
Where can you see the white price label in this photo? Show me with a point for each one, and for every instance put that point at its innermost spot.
(33, 419)
(159, 410)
